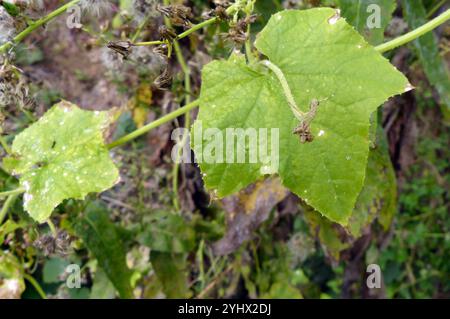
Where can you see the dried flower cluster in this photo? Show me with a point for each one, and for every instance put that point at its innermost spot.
(178, 14)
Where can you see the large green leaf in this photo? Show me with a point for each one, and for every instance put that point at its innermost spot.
(102, 238)
(377, 200)
(427, 48)
(363, 15)
(62, 156)
(322, 58)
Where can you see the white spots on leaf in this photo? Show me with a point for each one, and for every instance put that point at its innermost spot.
(278, 17)
(359, 46)
(321, 133)
(26, 185)
(334, 19)
(26, 198)
(96, 113)
(348, 157)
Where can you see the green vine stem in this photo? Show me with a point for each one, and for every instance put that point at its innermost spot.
(148, 43)
(38, 23)
(52, 228)
(139, 30)
(141, 131)
(16, 191)
(410, 36)
(9, 201)
(196, 27)
(36, 285)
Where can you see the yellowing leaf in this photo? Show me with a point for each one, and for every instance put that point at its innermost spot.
(62, 156)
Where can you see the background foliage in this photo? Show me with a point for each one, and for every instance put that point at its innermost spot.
(263, 242)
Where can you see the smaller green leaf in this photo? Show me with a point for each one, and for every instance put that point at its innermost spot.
(171, 272)
(167, 232)
(102, 239)
(62, 156)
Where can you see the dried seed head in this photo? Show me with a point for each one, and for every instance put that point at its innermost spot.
(178, 14)
(59, 245)
(221, 13)
(238, 32)
(162, 50)
(166, 33)
(163, 81)
(121, 47)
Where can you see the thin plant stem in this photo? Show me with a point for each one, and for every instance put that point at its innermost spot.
(9, 201)
(16, 191)
(36, 285)
(146, 128)
(52, 227)
(436, 8)
(181, 35)
(410, 36)
(148, 43)
(38, 23)
(196, 27)
(139, 29)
